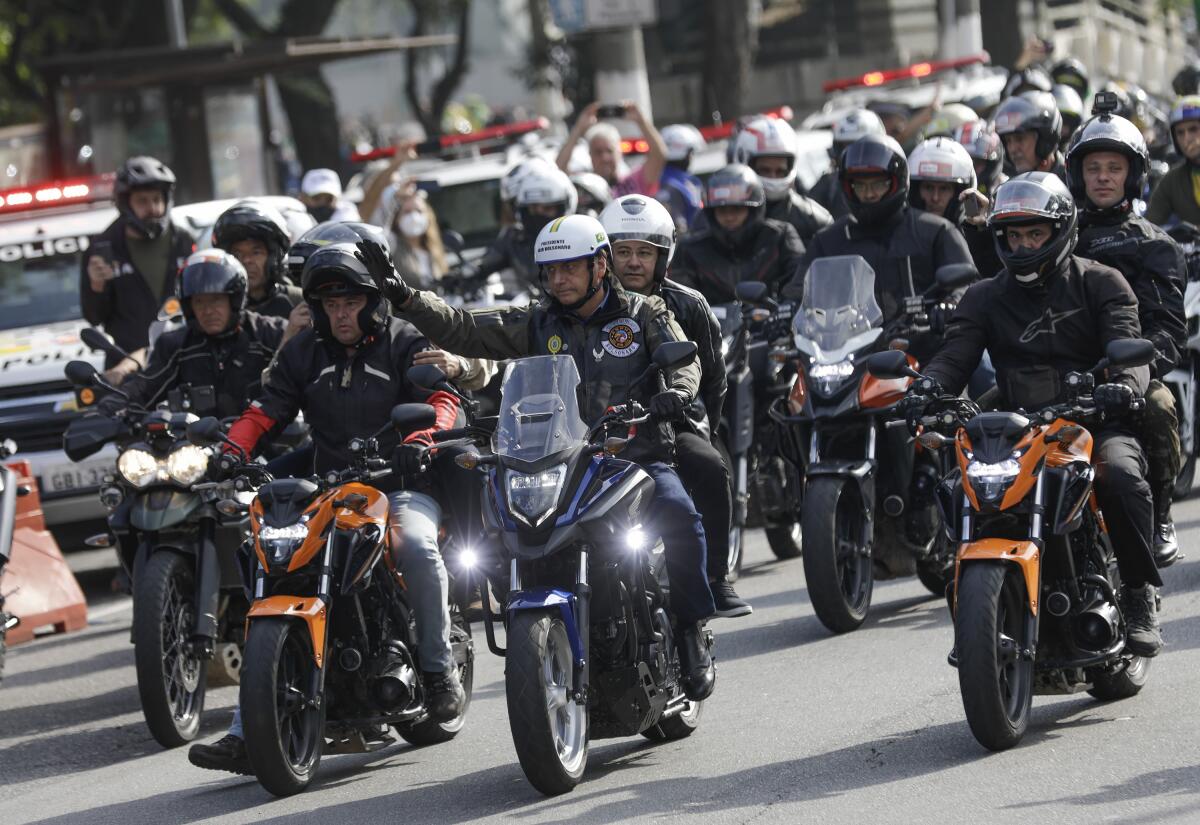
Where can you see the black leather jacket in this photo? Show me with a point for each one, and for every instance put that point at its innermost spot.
(698, 323)
(278, 302)
(768, 251)
(805, 214)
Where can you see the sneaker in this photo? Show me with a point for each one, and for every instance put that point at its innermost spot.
(729, 604)
(1143, 636)
(444, 695)
(1166, 544)
(226, 754)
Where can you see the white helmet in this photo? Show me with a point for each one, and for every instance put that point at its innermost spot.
(682, 139)
(944, 160)
(510, 184)
(594, 187)
(857, 123)
(571, 238)
(639, 218)
(544, 184)
(947, 120)
(768, 137)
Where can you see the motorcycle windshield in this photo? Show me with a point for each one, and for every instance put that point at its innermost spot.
(839, 304)
(539, 409)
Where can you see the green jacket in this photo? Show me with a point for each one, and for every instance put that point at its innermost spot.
(1174, 195)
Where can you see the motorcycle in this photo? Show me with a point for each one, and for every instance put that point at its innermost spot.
(9, 490)
(589, 643)
(839, 428)
(1183, 380)
(1034, 598)
(331, 645)
(174, 540)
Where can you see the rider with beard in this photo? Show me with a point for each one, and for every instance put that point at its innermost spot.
(678, 189)
(768, 146)
(1177, 196)
(642, 235)
(1107, 166)
(257, 235)
(739, 242)
(130, 269)
(827, 191)
(1049, 313)
(543, 194)
(1030, 127)
(612, 335)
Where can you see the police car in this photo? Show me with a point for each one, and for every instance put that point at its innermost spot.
(44, 233)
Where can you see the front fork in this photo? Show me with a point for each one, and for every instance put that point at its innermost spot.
(208, 588)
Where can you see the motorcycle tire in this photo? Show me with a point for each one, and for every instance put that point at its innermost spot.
(1185, 479)
(936, 572)
(837, 570)
(680, 726)
(1125, 683)
(786, 541)
(430, 731)
(737, 552)
(284, 744)
(995, 681)
(171, 682)
(549, 729)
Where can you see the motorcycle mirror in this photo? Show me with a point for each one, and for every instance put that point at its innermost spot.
(891, 363)
(8, 448)
(453, 241)
(1130, 352)
(205, 432)
(80, 373)
(408, 418)
(427, 376)
(952, 276)
(675, 354)
(751, 292)
(97, 341)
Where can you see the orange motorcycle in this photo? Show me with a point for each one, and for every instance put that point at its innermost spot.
(331, 651)
(1035, 596)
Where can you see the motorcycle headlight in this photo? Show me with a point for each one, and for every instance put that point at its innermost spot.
(533, 496)
(188, 464)
(827, 378)
(280, 542)
(991, 480)
(139, 467)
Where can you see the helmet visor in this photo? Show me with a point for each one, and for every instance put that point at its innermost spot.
(206, 277)
(868, 158)
(1019, 200)
(732, 193)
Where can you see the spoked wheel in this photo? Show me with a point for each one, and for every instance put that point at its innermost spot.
(170, 679)
(285, 732)
(837, 562)
(430, 731)
(549, 728)
(996, 680)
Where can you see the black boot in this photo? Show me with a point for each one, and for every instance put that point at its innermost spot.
(1143, 636)
(444, 693)
(729, 604)
(697, 671)
(226, 754)
(1166, 545)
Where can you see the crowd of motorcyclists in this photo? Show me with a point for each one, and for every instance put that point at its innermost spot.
(1047, 194)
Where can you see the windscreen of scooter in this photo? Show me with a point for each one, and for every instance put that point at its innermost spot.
(539, 409)
(839, 313)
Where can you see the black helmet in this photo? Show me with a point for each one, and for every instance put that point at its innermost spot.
(735, 185)
(213, 272)
(250, 220)
(1187, 80)
(875, 155)
(333, 271)
(324, 234)
(1031, 112)
(1029, 79)
(1109, 133)
(1034, 197)
(1071, 72)
(143, 172)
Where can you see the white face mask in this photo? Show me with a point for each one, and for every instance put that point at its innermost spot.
(413, 224)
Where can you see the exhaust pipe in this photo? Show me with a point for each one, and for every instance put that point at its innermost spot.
(1096, 627)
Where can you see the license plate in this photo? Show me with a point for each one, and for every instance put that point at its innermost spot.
(62, 478)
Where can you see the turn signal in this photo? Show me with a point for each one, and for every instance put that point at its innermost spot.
(799, 392)
(932, 441)
(614, 445)
(468, 461)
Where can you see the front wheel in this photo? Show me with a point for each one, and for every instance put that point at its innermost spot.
(995, 677)
(284, 728)
(837, 561)
(549, 728)
(170, 678)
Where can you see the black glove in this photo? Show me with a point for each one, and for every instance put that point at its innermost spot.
(223, 466)
(940, 315)
(1113, 399)
(667, 405)
(379, 263)
(409, 459)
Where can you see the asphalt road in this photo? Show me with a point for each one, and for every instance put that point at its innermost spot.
(803, 727)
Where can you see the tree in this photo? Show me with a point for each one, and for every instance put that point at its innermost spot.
(730, 40)
(429, 15)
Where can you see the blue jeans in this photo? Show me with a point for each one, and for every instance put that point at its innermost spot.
(676, 519)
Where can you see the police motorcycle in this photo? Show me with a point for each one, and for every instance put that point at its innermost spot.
(174, 538)
(1183, 381)
(840, 427)
(589, 650)
(10, 489)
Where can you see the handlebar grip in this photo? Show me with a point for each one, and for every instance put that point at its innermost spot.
(439, 436)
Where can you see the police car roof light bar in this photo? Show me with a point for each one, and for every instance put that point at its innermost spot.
(503, 132)
(56, 193)
(913, 72)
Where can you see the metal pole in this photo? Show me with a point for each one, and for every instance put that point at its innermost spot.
(620, 64)
(176, 31)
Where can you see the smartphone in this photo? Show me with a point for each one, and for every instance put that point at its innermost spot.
(610, 111)
(104, 251)
(971, 207)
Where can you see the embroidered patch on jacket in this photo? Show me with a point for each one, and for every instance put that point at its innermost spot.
(554, 345)
(621, 337)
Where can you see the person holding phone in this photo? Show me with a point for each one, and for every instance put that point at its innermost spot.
(131, 267)
(604, 147)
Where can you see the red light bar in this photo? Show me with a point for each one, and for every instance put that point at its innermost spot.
(917, 70)
(58, 193)
(635, 147)
(437, 145)
(723, 130)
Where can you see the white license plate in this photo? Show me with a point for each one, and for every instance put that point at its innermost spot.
(85, 476)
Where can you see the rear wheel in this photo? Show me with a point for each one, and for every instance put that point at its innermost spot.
(737, 537)
(996, 680)
(679, 726)
(430, 731)
(937, 570)
(170, 679)
(837, 563)
(285, 733)
(1185, 479)
(785, 541)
